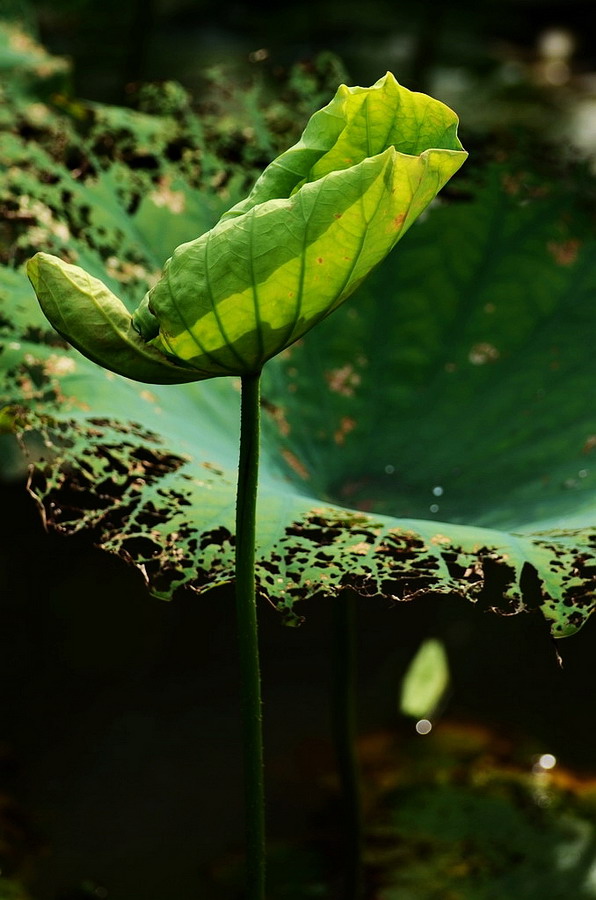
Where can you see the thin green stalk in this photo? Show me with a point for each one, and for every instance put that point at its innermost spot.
(344, 732)
(246, 613)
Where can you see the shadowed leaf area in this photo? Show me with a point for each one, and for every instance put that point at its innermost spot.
(437, 434)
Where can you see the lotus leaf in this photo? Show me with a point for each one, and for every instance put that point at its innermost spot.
(319, 219)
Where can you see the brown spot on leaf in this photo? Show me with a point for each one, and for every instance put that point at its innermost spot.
(483, 353)
(212, 468)
(343, 381)
(564, 253)
(361, 548)
(295, 464)
(175, 201)
(60, 365)
(512, 182)
(346, 425)
(278, 414)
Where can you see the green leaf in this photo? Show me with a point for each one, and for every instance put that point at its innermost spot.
(319, 220)
(436, 435)
(425, 681)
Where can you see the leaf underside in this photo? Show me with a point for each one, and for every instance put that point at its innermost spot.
(436, 435)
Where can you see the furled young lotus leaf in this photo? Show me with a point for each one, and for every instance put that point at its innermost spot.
(317, 221)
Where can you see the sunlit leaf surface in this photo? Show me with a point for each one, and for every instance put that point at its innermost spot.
(319, 219)
(437, 434)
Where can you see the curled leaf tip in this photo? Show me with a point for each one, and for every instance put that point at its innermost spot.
(320, 217)
(85, 312)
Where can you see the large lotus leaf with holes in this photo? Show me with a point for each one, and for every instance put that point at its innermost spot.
(437, 434)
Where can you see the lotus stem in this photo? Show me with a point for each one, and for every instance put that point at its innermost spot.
(344, 733)
(246, 613)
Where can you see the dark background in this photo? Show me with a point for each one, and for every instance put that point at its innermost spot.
(121, 717)
(120, 737)
(117, 41)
